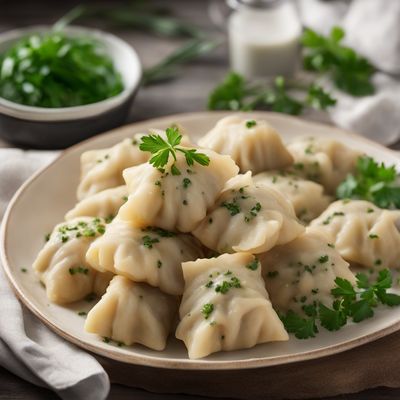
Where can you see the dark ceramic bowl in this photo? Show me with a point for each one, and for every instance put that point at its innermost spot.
(56, 128)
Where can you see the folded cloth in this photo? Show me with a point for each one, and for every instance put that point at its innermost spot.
(27, 347)
(372, 28)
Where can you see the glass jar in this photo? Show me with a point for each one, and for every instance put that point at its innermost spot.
(264, 37)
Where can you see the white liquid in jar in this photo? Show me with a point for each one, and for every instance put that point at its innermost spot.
(264, 42)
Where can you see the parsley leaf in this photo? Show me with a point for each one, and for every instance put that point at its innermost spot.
(373, 182)
(303, 328)
(349, 71)
(357, 303)
(161, 149)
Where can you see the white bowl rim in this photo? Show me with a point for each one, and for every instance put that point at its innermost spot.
(31, 113)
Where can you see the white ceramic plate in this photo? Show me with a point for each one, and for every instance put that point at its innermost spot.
(42, 202)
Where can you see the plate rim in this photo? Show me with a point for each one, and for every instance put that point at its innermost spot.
(165, 363)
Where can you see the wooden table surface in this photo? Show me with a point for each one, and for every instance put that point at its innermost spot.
(188, 93)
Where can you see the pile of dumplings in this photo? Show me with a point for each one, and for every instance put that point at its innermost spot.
(214, 254)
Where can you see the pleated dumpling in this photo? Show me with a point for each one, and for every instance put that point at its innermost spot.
(150, 255)
(253, 144)
(132, 312)
(175, 202)
(104, 204)
(303, 272)
(323, 160)
(61, 264)
(362, 233)
(307, 197)
(102, 169)
(248, 218)
(225, 306)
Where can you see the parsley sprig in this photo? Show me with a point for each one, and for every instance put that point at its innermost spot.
(355, 303)
(161, 149)
(372, 181)
(349, 71)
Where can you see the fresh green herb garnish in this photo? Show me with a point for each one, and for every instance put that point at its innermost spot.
(253, 212)
(356, 303)
(235, 93)
(186, 182)
(159, 231)
(253, 265)
(161, 149)
(251, 123)
(84, 229)
(225, 286)
(148, 241)
(54, 70)
(24, 270)
(78, 270)
(233, 207)
(349, 71)
(47, 237)
(207, 309)
(373, 182)
(82, 313)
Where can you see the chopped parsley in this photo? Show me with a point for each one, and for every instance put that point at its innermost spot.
(81, 229)
(82, 313)
(373, 236)
(47, 237)
(159, 264)
(186, 183)
(24, 270)
(253, 265)
(251, 123)
(78, 270)
(253, 212)
(148, 241)
(328, 220)
(233, 207)
(207, 310)
(323, 259)
(225, 286)
(159, 231)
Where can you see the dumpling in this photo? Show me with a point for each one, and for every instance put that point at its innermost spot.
(225, 306)
(102, 169)
(175, 202)
(362, 233)
(253, 144)
(303, 272)
(323, 160)
(307, 197)
(150, 255)
(103, 204)
(248, 218)
(132, 312)
(61, 264)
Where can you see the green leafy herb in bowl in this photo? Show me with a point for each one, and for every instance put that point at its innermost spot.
(54, 70)
(61, 86)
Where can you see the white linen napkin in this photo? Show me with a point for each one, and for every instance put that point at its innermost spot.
(373, 29)
(27, 347)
